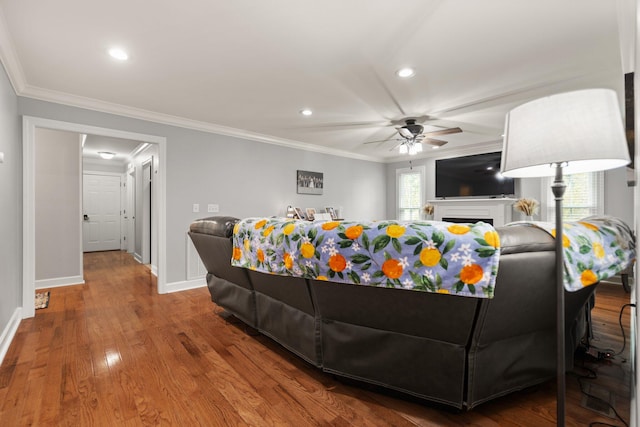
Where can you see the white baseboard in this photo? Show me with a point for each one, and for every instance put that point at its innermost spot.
(9, 332)
(137, 257)
(59, 281)
(185, 285)
(154, 270)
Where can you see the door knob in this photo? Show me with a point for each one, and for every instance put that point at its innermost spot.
(86, 217)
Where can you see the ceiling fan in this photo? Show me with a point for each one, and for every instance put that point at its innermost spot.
(412, 135)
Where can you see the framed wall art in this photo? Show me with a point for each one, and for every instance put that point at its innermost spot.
(309, 182)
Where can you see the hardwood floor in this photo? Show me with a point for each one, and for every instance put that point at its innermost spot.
(113, 352)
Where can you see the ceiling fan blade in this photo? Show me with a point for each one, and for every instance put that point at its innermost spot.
(395, 146)
(442, 132)
(378, 141)
(435, 142)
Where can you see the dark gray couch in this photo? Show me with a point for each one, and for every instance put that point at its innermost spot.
(452, 350)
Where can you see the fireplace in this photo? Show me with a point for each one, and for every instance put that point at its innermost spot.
(497, 211)
(473, 220)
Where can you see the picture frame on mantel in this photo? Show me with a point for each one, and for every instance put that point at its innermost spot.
(299, 213)
(308, 182)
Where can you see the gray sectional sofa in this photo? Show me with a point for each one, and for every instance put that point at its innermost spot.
(453, 350)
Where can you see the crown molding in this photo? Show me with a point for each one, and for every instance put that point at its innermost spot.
(151, 116)
(14, 70)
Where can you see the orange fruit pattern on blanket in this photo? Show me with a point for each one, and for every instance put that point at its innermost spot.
(288, 260)
(392, 268)
(395, 230)
(492, 238)
(458, 229)
(307, 250)
(471, 274)
(337, 263)
(353, 232)
(288, 229)
(330, 225)
(430, 257)
(588, 277)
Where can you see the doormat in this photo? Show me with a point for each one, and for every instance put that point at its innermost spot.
(42, 300)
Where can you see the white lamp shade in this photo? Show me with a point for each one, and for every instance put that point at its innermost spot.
(581, 129)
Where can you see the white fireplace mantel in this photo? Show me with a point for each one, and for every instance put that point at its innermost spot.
(498, 209)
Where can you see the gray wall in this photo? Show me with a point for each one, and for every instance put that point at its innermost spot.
(245, 178)
(10, 203)
(57, 205)
(618, 197)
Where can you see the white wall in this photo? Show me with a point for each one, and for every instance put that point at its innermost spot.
(57, 207)
(245, 178)
(10, 213)
(91, 165)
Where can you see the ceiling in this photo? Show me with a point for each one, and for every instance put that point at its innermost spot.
(124, 149)
(246, 68)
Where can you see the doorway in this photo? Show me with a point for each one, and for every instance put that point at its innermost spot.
(147, 210)
(29, 172)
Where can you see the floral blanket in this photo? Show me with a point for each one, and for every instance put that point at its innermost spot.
(430, 256)
(595, 248)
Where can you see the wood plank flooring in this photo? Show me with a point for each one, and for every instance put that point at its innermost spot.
(113, 352)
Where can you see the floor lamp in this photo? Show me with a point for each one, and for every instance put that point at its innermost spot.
(567, 133)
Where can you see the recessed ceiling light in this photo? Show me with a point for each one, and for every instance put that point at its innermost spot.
(306, 112)
(106, 155)
(118, 54)
(405, 73)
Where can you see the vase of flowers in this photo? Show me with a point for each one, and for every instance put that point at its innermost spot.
(428, 211)
(528, 207)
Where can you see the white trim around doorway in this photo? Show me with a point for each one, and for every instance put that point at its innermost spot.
(29, 125)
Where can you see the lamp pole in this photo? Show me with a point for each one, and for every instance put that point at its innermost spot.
(558, 188)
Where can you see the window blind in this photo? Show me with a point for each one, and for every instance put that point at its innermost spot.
(409, 183)
(583, 197)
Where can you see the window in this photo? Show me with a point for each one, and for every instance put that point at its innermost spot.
(410, 185)
(583, 197)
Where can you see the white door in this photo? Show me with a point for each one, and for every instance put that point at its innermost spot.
(101, 209)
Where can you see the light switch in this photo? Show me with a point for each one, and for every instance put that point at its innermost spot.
(196, 207)
(213, 208)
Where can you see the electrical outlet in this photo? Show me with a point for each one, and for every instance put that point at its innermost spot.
(213, 208)
(196, 207)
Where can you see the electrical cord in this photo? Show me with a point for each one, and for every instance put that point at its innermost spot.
(602, 354)
(592, 376)
(624, 336)
(609, 352)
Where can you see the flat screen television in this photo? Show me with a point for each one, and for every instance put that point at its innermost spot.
(472, 176)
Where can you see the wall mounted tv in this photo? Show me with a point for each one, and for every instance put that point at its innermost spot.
(472, 176)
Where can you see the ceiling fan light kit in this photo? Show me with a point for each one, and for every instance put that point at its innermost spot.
(410, 147)
(413, 135)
